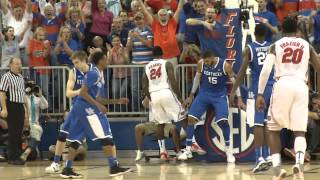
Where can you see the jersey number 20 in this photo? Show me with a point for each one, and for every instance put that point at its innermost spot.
(155, 73)
(292, 56)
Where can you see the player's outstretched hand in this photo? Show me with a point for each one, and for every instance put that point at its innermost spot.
(123, 101)
(102, 108)
(241, 104)
(187, 102)
(260, 103)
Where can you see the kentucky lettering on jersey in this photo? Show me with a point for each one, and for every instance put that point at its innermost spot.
(258, 55)
(214, 79)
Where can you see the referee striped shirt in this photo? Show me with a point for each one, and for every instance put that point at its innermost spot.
(13, 85)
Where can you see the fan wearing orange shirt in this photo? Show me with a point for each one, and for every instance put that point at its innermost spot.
(38, 51)
(164, 30)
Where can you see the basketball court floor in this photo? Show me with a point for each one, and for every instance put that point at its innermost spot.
(95, 167)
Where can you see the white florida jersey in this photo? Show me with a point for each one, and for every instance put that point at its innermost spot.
(292, 57)
(157, 75)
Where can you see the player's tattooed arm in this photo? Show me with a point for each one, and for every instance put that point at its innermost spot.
(315, 59)
(85, 95)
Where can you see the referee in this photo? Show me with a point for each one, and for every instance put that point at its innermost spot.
(12, 96)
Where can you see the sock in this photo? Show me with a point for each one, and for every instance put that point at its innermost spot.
(190, 132)
(300, 146)
(194, 139)
(162, 145)
(56, 158)
(265, 151)
(276, 160)
(69, 163)
(258, 151)
(224, 125)
(112, 161)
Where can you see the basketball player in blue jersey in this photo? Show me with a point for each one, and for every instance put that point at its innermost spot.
(74, 83)
(90, 119)
(212, 76)
(254, 56)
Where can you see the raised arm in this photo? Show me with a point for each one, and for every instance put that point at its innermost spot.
(29, 6)
(146, 13)
(177, 13)
(4, 6)
(196, 22)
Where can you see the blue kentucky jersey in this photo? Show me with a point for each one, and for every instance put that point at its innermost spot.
(258, 55)
(214, 79)
(94, 81)
(79, 75)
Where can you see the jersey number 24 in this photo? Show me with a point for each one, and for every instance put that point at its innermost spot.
(155, 73)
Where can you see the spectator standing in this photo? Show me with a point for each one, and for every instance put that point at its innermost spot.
(9, 46)
(38, 52)
(101, 20)
(118, 55)
(65, 46)
(164, 30)
(36, 102)
(20, 19)
(267, 18)
(127, 25)
(140, 42)
(114, 6)
(315, 20)
(76, 24)
(117, 29)
(13, 98)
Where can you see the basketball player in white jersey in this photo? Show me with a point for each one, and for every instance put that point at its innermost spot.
(161, 87)
(289, 101)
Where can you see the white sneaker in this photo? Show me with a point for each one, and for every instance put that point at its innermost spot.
(187, 154)
(140, 155)
(53, 168)
(230, 157)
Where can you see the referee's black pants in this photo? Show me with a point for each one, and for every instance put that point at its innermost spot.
(15, 122)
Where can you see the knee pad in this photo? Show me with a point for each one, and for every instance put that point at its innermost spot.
(107, 142)
(62, 136)
(75, 145)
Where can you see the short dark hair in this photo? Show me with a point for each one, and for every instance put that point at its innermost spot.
(290, 25)
(81, 55)
(208, 54)
(260, 30)
(5, 30)
(157, 51)
(97, 56)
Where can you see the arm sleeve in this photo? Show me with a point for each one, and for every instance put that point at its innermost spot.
(4, 83)
(265, 72)
(196, 82)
